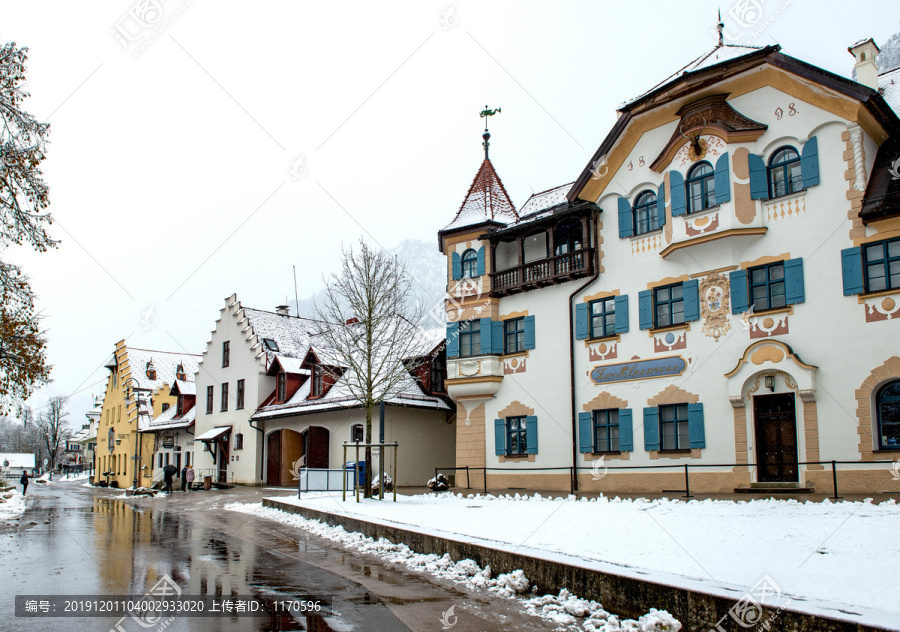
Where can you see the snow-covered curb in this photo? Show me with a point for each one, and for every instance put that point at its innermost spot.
(564, 609)
(12, 505)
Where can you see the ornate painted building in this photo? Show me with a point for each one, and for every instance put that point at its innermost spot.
(719, 287)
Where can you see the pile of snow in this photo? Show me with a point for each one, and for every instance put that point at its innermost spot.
(565, 609)
(720, 547)
(12, 505)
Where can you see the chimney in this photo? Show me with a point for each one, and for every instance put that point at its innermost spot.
(282, 310)
(866, 67)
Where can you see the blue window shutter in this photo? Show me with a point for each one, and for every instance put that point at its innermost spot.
(676, 182)
(645, 309)
(581, 321)
(531, 438)
(759, 178)
(651, 428)
(626, 432)
(585, 432)
(626, 223)
(529, 332)
(497, 336)
(691, 300)
(486, 331)
(793, 281)
(452, 340)
(740, 295)
(500, 436)
(723, 180)
(695, 426)
(479, 264)
(851, 267)
(457, 266)
(661, 205)
(621, 314)
(809, 163)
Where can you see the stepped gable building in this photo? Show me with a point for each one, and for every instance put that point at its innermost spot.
(268, 408)
(718, 288)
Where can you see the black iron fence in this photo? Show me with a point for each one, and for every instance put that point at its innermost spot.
(685, 467)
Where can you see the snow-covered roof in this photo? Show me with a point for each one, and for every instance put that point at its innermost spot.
(339, 397)
(889, 87)
(290, 333)
(17, 459)
(718, 55)
(545, 200)
(486, 201)
(167, 420)
(166, 364)
(291, 365)
(185, 388)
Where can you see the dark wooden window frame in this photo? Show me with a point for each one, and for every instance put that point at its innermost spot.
(770, 284)
(643, 213)
(210, 394)
(669, 303)
(226, 353)
(880, 400)
(607, 308)
(706, 182)
(679, 416)
(224, 393)
(782, 162)
(885, 263)
(516, 433)
(240, 395)
(514, 335)
(607, 419)
(469, 338)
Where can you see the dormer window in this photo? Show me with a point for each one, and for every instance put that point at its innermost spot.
(270, 344)
(151, 370)
(316, 388)
(179, 372)
(437, 375)
(281, 387)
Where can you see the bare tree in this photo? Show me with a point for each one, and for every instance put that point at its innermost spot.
(53, 428)
(368, 338)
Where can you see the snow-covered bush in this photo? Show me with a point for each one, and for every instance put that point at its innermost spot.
(439, 483)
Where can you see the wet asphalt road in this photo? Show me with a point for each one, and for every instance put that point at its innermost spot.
(76, 540)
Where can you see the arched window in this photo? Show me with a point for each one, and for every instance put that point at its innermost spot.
(470, 263)
(567, 237)
(887, 406)
(700, 187)
(784, 172)
(179, 372)
(645, 213)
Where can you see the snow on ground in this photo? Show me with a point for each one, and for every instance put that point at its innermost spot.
(561, 609)
(715, 546)
(12, 505)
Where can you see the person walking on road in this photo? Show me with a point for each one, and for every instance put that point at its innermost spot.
(189, 476)
(169, 473)
(24, 481)
(184, 478)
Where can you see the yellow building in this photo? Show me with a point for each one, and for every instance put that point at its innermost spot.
(137, 391)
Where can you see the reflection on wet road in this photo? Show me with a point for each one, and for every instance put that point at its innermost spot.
(74, 543)
(76, 540)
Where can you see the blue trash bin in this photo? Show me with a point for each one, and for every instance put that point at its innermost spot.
(351, 465)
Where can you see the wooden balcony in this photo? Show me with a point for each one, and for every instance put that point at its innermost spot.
(542, 273)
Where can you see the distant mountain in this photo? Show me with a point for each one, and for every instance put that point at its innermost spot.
(424, 262)
(889, 57)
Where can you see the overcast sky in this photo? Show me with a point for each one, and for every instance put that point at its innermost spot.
(208, 149)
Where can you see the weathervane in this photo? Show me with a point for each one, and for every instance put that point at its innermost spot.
(485, 113)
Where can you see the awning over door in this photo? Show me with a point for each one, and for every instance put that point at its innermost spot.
(214, 434)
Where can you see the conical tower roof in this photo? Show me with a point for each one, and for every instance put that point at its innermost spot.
(486, 201)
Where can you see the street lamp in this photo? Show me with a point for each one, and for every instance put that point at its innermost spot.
(141, 395)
